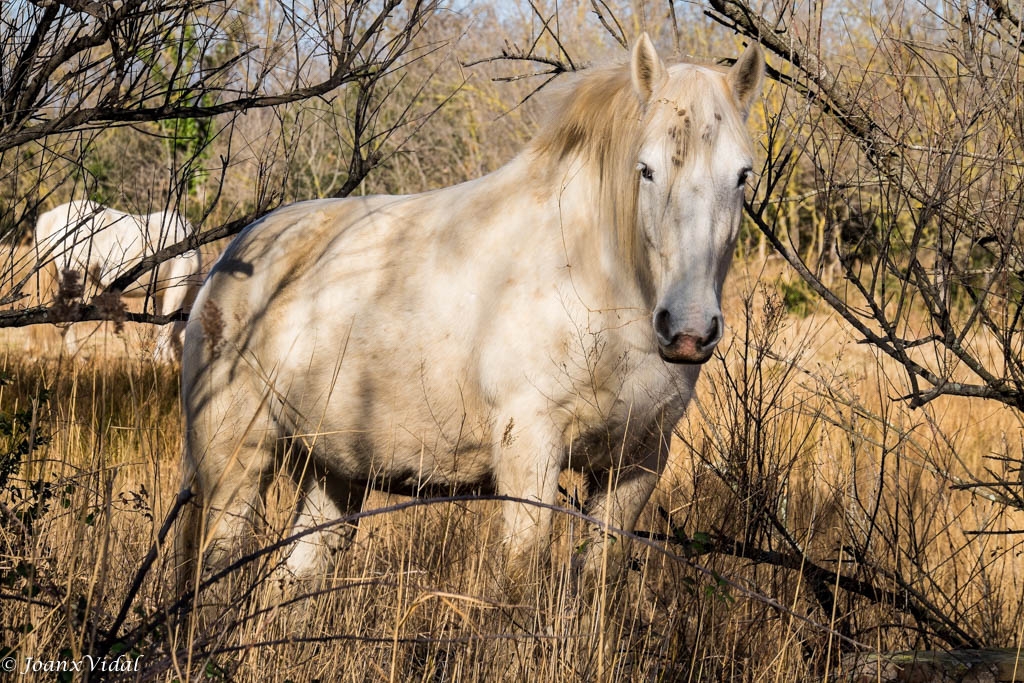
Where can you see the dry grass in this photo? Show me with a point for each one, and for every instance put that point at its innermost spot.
(796, 449)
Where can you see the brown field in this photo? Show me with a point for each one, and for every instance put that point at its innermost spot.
(796, 448)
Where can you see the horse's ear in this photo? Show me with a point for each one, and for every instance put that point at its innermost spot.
(646, 68)
(745, 77)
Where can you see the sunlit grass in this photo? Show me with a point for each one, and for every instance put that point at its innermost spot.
(795, 447)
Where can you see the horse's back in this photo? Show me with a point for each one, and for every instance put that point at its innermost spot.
(55, 223)
(164, 228)
(336, 296)
(286, 259)
(104, 242)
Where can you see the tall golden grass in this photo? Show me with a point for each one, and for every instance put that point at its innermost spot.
(795, 469)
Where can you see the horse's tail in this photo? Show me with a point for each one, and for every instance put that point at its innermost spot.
(44, 227)
(44, 280)
(40, 268)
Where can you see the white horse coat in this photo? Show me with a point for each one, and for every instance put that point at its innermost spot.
(101, 244)
(552, 314)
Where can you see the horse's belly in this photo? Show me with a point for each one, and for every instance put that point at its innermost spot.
(402, 461)
(401, 441)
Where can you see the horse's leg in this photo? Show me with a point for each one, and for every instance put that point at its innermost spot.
(217, 526)
(230, 448)
(77, 335)
(173, 297)
(231, 498)
(73, 338)
(168, 344)
(43, 288)
(616, 496)
(169, 338)
(324, 498)
(527, 465)
(226, 478)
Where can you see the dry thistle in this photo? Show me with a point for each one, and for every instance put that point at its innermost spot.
(70, 287)
(112, 307)
(212, 320)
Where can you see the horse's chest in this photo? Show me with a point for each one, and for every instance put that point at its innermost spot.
(619, 419)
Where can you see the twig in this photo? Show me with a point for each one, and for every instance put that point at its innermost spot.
(182, 499)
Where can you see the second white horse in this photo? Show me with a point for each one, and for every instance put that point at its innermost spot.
(101, 244)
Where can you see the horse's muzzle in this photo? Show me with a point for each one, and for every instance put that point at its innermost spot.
(683, 347)
(686, 348)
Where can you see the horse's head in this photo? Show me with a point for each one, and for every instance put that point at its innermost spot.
(693, 160)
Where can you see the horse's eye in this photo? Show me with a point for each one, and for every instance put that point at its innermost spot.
(645, 172)
(744, 175)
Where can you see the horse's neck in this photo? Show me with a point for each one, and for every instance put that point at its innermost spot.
(553, 214)
(598, 290)
(590, 242)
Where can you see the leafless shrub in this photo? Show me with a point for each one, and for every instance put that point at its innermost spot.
(96, 97)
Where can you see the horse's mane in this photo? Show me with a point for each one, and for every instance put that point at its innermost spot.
(598, 119)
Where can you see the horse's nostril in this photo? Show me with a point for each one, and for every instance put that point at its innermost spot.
(713, 332)
(663, 326)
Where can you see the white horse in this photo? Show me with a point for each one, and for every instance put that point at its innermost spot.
(553, 314)
(101, 244)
